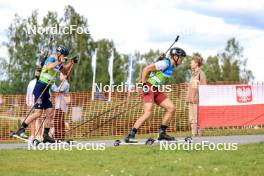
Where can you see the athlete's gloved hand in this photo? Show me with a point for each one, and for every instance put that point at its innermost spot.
(145, 88)
(74, 60)
(162, 57)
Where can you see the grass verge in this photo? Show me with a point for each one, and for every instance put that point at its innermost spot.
(134, 160)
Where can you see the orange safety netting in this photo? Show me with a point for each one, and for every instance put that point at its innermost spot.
(85, 118)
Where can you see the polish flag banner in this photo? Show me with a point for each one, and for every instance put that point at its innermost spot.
(230, 105)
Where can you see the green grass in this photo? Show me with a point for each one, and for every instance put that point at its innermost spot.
(134, 160)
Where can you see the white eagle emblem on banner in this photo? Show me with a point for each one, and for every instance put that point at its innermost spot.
(244, 94)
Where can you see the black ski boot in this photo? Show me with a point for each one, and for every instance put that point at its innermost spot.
(131, 138)
(21, 133)
(47, 138)
(166, 137)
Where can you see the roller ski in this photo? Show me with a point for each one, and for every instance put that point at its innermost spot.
(151, 141)
(129, 140)
(52, 141)
(119, 142)
(20, 134)
(164, 137)
(47, 139)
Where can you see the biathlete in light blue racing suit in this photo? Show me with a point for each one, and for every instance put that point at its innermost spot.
(151, 93)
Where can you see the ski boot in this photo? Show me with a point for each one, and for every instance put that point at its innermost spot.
(166, 137)
(21, 133)
(130, 138)
(47, 138)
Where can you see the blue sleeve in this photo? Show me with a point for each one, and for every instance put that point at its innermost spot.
(50, 60)
(168, 62)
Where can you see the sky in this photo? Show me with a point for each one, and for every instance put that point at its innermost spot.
(204, 26)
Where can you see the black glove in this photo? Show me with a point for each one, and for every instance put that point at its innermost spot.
(74, 60)
(43, 56)
(145, 88)
(162, 57)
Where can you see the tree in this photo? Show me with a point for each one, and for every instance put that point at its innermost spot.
(233, 63)
(119, 67)
(142, 60)
(182, 72)
(4, 85)
(3, 68)
(104, 51)
(22, 49)
(212, 69)
(81, 45)
(228, 65)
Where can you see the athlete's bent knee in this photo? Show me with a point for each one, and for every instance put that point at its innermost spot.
(171, 109)
(147, 113)
(38, 114)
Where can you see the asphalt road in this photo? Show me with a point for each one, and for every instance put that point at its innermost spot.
(242, 139)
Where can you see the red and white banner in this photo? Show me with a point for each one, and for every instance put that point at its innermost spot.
(230, 105)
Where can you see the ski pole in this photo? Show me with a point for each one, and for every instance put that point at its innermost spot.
(40, 127)
(164, 54)
(33, 107)
(65, 78)
(59, 90)
(109, 120)
(97, 116)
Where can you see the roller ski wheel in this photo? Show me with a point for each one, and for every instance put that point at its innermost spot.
(69, 141)
(188, 139)
(36, 142)
(150, 141)
(117, 143)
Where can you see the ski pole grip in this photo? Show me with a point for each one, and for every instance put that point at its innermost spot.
(177, 38)
(65, 78)
(75, 59)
